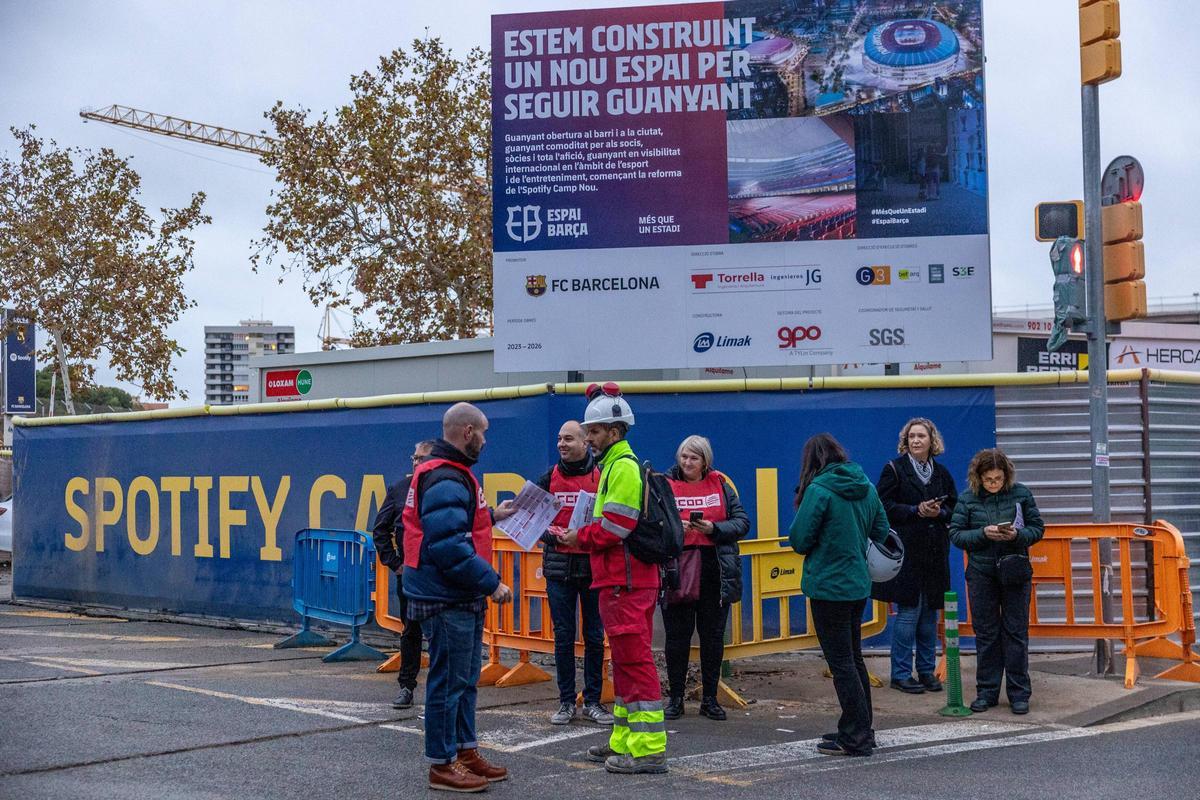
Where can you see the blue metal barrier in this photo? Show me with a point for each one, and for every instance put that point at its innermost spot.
(333, 577)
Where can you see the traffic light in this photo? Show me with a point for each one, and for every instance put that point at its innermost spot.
(1099, 47)
(1052, 220)
(1067, 260)
(1124, 262)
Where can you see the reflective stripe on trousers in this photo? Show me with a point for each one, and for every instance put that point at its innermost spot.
(639, 728)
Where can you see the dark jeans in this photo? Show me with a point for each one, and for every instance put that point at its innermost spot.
(455, 656)
(567, 598)
(914, 625)
(839, 630)
(410, 642)
(707, 616)
(1000, 615)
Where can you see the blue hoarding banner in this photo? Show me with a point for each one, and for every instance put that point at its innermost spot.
(198, 515)
(20, 379)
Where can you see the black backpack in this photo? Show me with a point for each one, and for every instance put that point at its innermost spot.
(658, 537)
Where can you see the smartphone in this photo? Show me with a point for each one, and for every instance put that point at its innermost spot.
(941, 499)
(1006, 527)
(696, 516)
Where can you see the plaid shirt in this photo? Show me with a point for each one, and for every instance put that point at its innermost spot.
(424, 609)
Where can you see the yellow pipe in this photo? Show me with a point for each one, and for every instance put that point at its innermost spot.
(632, 387)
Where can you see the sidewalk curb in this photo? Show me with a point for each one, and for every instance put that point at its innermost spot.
(1155, 700)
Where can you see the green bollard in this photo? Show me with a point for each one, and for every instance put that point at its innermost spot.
(954, 697)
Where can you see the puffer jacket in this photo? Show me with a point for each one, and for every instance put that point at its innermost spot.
(726, 534)
(840, 510)
(975, 512)
(559, 564)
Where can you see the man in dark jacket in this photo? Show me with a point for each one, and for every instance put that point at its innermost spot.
(448, 577)
(389, 546)
(568, 575)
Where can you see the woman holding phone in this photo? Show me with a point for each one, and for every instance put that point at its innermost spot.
(919, 495)
(710, 573)
(996, 521)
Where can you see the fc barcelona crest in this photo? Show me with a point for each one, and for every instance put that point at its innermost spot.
(535, 285)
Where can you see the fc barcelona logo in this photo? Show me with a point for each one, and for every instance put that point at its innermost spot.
(535, 285)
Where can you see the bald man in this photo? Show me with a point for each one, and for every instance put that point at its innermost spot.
(568, 575)
(448, 577)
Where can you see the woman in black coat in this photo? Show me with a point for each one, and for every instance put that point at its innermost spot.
(919, 496)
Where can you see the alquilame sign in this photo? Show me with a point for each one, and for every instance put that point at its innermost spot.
(720, 177)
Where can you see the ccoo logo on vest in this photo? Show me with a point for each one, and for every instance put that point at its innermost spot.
(288, 383)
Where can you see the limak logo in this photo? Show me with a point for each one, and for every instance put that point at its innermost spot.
(707, 341)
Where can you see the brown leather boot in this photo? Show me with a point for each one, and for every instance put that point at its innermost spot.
(479, 765)
(455, 778)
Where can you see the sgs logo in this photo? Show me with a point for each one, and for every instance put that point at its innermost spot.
(886, 337)
(874, 276)
(790, 337)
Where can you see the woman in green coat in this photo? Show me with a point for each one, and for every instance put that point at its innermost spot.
(837, 511)
(996, 521)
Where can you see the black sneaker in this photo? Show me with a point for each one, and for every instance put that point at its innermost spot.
(833, 737)
(834, 749)
(404, 699)
(908, 686)
(674, 709)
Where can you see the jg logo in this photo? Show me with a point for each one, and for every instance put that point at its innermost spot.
(524, 223)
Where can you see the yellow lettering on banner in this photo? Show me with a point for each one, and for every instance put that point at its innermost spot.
(77, 542)
(107, 516)
(270, 513)
(326, 484)
(146, 486)
(370, 498)
(203, 548)
(175, 487)
(230, 517)
(767, 482)
(496, 482)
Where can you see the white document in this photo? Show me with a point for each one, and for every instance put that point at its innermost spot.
(535, 511)
(585, 506)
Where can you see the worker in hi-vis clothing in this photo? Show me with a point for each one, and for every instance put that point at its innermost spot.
(628, 590)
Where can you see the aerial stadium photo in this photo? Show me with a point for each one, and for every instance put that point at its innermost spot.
(791, 179)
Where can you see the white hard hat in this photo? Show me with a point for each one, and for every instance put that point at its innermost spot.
(884, 560)
(605, 404)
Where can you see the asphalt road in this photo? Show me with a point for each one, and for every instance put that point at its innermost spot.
(110, 709)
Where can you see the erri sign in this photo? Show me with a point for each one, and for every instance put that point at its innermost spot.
(288, 383)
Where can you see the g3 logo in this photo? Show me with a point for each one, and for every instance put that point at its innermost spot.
(790, 337)
(874, 276)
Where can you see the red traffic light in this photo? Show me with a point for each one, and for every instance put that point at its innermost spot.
(1077, 258)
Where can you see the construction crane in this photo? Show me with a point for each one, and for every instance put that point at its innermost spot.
(328, 340)
(126, 117)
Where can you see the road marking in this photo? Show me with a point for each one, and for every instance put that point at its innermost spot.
(73, 664)
(59, 615)
(106, 637)
(321, 708)
(805, 749)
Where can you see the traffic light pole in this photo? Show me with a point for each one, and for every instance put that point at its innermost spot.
(1097, 353)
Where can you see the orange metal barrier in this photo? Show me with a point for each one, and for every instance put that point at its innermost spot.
(384, 619)
(1143, 634)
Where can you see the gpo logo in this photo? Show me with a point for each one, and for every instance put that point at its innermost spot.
(524, 223)
(791, 337)
(703, 342)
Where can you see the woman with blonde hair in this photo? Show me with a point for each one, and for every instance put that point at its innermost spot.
(996, 521)
(710, 573)
(919, 495)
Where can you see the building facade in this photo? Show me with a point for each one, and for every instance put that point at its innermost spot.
(227, 352)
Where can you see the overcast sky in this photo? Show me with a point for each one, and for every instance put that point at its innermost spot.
(227, 62)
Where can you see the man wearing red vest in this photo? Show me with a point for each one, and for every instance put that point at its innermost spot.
(568, 575)
(448, 577)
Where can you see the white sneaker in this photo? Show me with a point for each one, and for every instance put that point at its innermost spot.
(564, 715)
(598, 714)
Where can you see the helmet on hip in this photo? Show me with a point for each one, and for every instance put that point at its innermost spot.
(884, 560)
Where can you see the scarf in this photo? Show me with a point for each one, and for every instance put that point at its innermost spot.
(924, 470)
